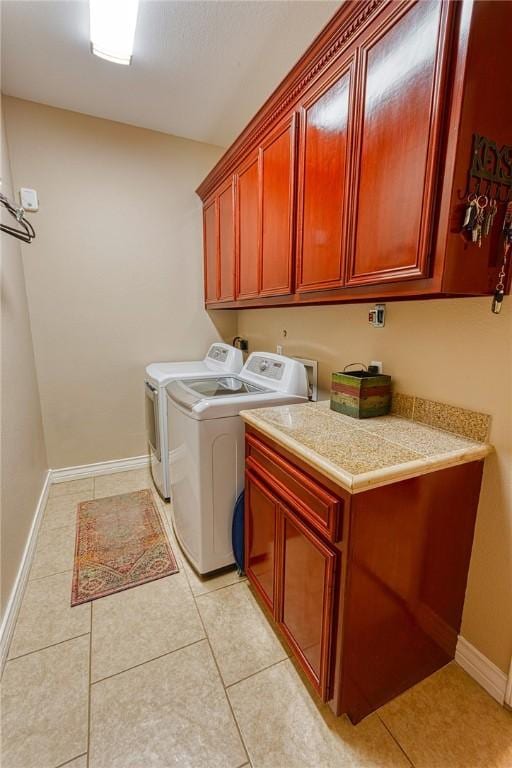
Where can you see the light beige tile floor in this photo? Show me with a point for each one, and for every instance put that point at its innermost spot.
(282, 726)
(61, 511)
(179, 716)
(131, 627)
(46, 616)
(85, 487)
(242, 640)
(44, 706)
(187, 672)
(448, 720)
(54, 552)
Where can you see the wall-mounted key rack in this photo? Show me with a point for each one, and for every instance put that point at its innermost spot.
(490, 173)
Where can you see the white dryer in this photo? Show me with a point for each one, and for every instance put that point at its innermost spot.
(207, 448)
(220, 359)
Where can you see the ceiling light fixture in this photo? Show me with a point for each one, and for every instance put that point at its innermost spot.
(112, 30)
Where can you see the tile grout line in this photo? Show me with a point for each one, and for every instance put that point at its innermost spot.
(217, 589)
(253, 674)
(49, 575)
(68, 762)
(57, 573)
(147, 661)
(45, 647)
(395, 740)
(242, 741)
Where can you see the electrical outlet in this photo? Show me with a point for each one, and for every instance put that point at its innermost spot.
(377, 316)
(279, 349)
(376, 364)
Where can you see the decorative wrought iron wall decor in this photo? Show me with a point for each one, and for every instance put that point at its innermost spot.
(490, 173)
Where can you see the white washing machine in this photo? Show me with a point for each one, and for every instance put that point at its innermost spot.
(220, 359)
(207, 448)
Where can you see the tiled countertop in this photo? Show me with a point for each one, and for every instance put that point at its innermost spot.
(359, 454)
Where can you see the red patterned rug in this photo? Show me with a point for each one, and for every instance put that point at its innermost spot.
(120, 543)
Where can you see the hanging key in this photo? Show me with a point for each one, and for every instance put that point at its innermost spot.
(471, 211)
(499, 291)
(489, 217)
(476, 232)
(497, 300)
(507, 224)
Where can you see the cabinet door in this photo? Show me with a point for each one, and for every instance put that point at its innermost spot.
(306, 598)
(277, 171)
(325, 137)
(261, 510)
(401, 77)
(227, 242)
(211, 288)
(248, 218)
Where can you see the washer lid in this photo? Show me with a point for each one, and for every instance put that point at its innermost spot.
(223, 386)
(222, 397)
(161, 373)
(194, 393)
(220, 358)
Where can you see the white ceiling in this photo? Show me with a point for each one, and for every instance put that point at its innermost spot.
(200, 69)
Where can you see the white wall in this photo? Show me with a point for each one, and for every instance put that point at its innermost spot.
(23, 453)
(451, 350)
(114, 277)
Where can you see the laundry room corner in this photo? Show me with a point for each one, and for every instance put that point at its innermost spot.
(114, 275)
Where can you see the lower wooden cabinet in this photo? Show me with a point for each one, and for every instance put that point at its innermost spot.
(306, 585)
(375, 608)
(261, 511)
(295, 573)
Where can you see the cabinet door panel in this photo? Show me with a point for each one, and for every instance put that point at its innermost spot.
(307, 574)
(399, 85)
(323, 186)
(227, 244)
(261, 509)
(210, 251)
(248, 231)
(277, 161)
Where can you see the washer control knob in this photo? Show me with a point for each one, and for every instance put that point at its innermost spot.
(263, 365)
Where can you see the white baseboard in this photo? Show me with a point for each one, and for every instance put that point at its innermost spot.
(100, 468)
(16, 596)
(52, 476)
(478, 666)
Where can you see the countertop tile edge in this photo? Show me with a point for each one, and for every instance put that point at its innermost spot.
(374, 478)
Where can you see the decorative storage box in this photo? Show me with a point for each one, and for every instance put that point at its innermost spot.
(360, 394)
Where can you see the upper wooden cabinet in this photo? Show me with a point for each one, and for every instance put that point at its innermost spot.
(264, 212)
(226, 253)
(248, 229)
(350, 182)
(400, 102)
(324, 165)
(219, 245)
(277, 171)
(211, 275)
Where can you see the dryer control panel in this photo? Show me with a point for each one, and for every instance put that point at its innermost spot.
(218, 353)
